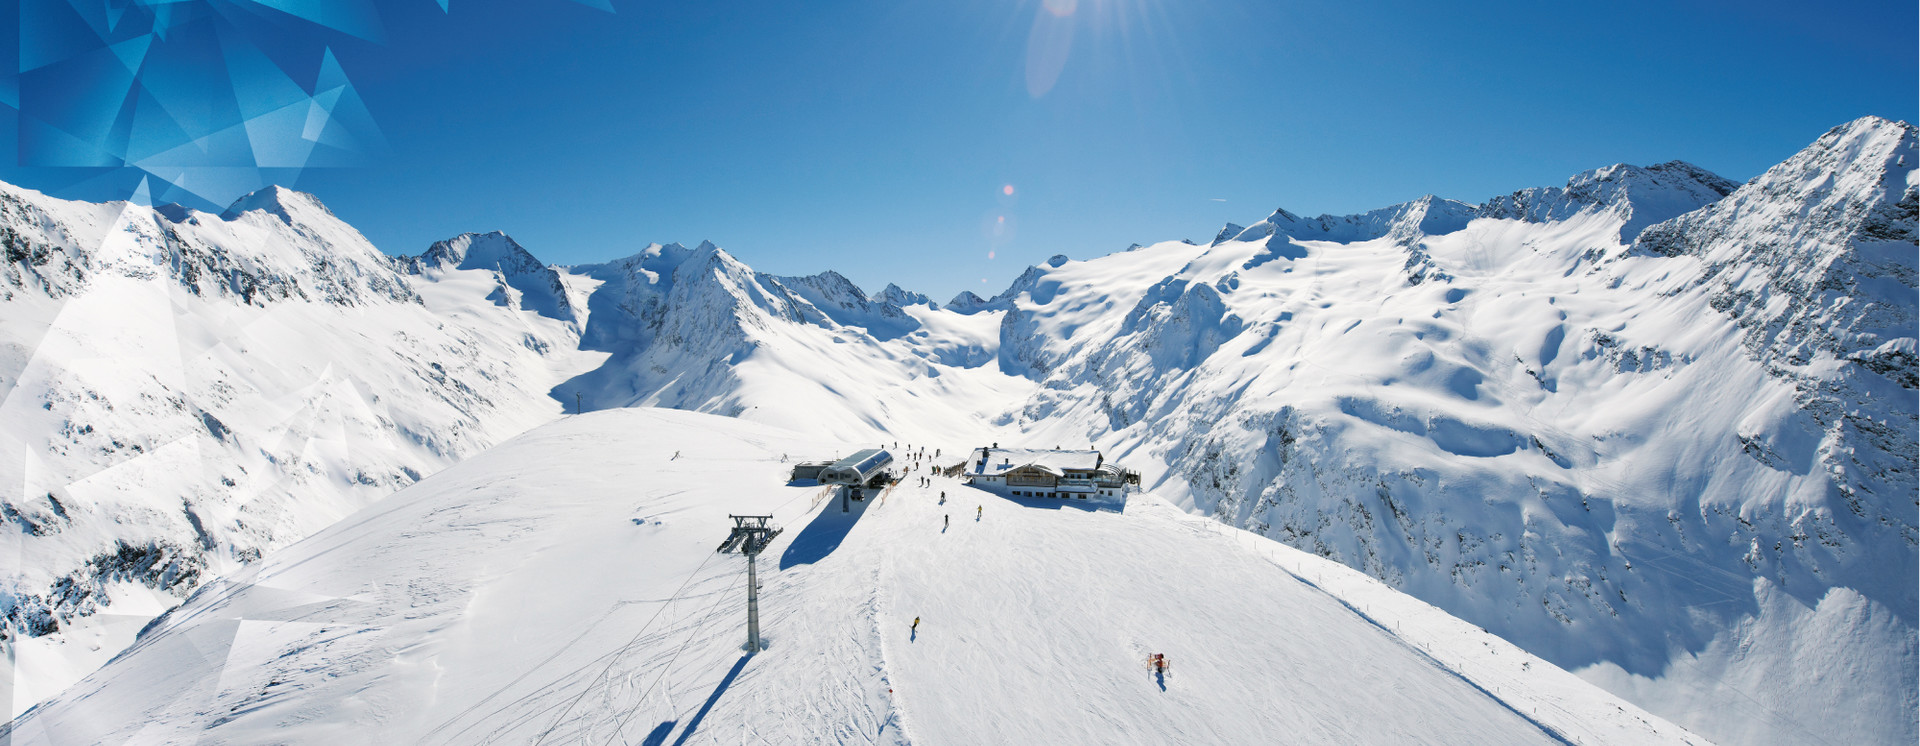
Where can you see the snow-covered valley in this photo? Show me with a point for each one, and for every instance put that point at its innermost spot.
(1653, 427)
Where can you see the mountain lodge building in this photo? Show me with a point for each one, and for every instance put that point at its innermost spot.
(1030, 472)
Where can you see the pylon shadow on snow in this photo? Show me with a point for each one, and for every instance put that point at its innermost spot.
(717, 691)
(824, 533)
(658, 736)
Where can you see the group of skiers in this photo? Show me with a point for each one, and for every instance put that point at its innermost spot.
(917, 458)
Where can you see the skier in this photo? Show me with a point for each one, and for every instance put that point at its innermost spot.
(945, 521)
(916, 624)
(978, 510)
(943, 497)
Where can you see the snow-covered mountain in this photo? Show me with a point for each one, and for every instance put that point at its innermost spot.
(1653, 427)
(520, 280)
(184, 395)
(1684, 466)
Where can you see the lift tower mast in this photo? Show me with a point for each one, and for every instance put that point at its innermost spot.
(751, 533)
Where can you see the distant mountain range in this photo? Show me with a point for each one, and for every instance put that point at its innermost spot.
(1654, 426)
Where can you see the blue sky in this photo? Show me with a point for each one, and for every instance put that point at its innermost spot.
(879, 138)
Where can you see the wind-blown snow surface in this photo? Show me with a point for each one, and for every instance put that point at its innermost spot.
(563, 588)
(1654, 427)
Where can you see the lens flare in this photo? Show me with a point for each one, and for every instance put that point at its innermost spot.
(1007, 190)
(1048, 45)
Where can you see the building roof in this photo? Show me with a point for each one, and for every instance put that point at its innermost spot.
(863, 460)
(992, 462)
(859, 467)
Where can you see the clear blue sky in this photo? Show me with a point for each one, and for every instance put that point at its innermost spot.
(878, 137)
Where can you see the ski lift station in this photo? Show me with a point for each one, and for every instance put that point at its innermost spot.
(858, 470)
(1029, 472)
(865, 468)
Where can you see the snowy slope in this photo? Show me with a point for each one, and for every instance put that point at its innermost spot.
(564, 588)
(182, 396)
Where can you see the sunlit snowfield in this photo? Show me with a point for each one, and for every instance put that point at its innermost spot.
(563, 588)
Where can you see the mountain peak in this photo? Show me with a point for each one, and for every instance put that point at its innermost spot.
(1227, 232)
(278, 201)
(524, 281)
(1641, 196)
(966, 302)
(491, 250)
(902, 297)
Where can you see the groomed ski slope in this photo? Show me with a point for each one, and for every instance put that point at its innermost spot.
(563, 588)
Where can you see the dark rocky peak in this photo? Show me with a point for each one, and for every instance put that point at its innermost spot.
(902, 297)
(1227, 232)
(966, 302)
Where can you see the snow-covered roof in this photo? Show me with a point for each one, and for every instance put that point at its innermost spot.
(988, 462)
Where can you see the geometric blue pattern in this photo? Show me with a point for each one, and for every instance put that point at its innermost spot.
(206, 100)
